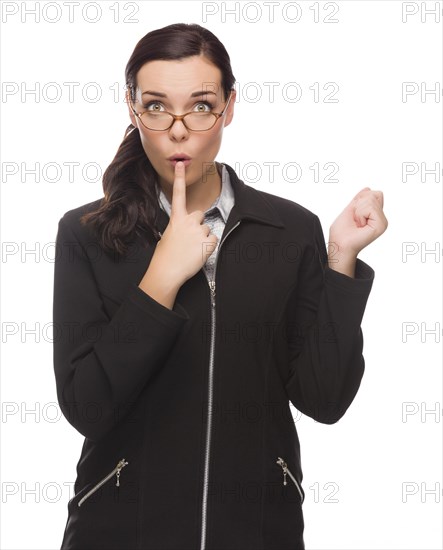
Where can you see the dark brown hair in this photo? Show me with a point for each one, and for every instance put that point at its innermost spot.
(130, 205)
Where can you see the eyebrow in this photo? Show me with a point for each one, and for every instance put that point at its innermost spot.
(160, 94)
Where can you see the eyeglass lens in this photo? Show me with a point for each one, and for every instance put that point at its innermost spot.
(194, 121)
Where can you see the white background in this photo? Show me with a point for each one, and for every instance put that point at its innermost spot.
(369, 52)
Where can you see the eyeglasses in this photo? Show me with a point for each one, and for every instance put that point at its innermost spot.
(195, 121)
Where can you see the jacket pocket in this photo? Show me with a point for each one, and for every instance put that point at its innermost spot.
(287, 471)
(121, 464)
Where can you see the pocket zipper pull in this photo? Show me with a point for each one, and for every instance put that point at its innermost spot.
(120, 465)
(97, 486)
(285, 469)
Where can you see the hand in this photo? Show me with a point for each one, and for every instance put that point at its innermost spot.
(186, 243)
(360, 223)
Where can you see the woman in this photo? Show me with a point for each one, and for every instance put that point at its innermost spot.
(190, 310)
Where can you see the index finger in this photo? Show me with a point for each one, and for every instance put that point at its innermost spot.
(361, 193)
(178, 203)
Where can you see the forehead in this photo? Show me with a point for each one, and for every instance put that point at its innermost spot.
(179, 78)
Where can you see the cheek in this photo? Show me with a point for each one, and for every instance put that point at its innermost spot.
(211, 139)
(150, 144)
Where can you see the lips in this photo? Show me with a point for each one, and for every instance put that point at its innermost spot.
(186, 159)
(179, 156)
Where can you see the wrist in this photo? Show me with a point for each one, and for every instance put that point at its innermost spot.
(164, 274)
(165, 270)
(341, 259)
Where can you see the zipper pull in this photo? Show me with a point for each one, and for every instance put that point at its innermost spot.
(212, 288)
(285, 469)
(120, 465)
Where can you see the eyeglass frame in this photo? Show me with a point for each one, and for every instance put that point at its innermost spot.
(181, 117)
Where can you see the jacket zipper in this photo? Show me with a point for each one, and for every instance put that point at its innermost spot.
(121, 464)
(210, 388)
(287, 471)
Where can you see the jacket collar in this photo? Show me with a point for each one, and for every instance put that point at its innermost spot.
(249, 205)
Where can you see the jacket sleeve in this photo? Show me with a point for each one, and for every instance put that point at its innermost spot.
(325, 339)
(101, 364)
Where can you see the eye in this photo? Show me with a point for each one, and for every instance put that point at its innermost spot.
(207, 103)
(151, 103)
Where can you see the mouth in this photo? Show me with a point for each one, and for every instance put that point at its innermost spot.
(176, 158)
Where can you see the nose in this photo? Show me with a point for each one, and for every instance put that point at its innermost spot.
(178, 130)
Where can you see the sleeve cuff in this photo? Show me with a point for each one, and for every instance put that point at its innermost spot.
(360, 284)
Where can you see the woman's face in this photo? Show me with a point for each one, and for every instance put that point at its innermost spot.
(178, 80)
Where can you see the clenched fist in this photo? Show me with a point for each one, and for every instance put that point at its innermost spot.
(360, 223)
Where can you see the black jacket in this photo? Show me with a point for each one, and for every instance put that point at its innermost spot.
(189, 435)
